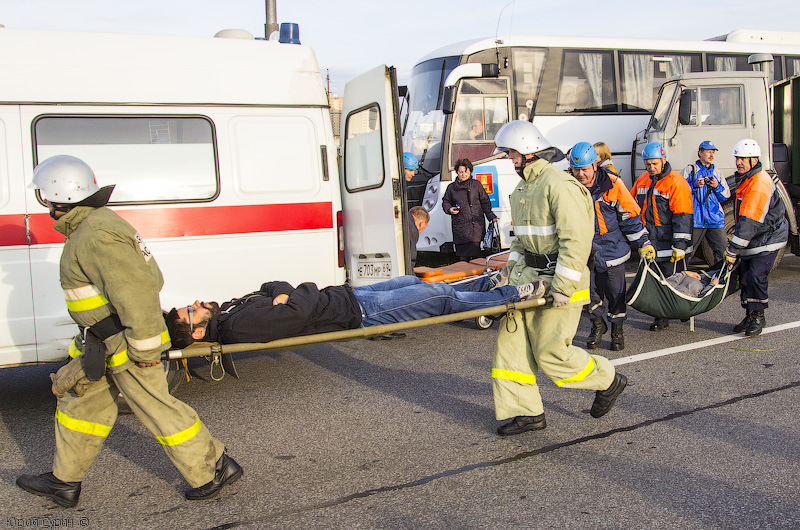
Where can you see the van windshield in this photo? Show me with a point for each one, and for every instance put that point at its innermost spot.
(423, 133)
(665, 96)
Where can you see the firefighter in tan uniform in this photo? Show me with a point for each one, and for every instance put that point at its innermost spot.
(554, 226)
(111, 284)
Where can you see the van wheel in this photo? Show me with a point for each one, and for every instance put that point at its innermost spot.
(730, 225)
(483, 322)
(175, 376)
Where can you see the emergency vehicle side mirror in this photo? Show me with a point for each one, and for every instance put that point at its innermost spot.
(449, 100)
(685, 108)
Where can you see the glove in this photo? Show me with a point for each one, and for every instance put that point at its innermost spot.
(70, 376)
(559, 300)
(647, 252)
(730, 258)
(677, 255)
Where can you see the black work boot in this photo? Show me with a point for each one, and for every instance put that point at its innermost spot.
(595, 337)
(47, 485)
(617, 340)
(227, 471)
(659, 324)
(742, 326)
(521, 424)
(604, 399)
(757, 322)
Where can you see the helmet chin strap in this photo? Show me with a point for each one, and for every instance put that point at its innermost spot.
(525, 162)
(59, 208)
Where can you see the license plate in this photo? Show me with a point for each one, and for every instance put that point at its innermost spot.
(375, 269)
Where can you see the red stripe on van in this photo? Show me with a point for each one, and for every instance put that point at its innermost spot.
(183, 222)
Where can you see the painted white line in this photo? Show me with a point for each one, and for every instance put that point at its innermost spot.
(697, 345)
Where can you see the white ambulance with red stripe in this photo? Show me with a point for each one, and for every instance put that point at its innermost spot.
(224, 160)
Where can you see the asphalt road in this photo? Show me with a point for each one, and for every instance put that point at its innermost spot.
(400, 434)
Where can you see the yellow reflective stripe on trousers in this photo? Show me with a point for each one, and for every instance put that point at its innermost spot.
(87, 304)
(86, 427)
(579, 296)
(73, 350)
(580, 376)
(117, 359)
(528, 379)
(182, 436)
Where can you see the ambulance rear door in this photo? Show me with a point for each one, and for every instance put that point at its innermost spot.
(373, 202)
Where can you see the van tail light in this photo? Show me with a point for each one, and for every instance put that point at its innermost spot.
(340, 234)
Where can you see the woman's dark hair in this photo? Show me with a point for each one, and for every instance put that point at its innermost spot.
(464, 162)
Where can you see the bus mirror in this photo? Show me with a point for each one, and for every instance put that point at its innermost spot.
(449, 100)
(685, 108)
(402, 91)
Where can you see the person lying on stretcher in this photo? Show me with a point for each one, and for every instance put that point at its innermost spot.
(692, 283)
(278, 310)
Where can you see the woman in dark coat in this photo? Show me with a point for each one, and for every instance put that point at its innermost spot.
(467, 202)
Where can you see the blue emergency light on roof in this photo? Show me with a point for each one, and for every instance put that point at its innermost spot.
(290, 33)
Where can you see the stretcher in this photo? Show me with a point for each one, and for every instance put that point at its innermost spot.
(218, 355)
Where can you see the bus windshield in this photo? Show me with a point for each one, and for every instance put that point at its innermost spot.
(423, 132)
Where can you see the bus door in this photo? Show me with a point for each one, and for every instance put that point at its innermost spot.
(17, 334)
(373, 203)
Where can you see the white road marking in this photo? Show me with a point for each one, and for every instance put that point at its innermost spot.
(697, 345)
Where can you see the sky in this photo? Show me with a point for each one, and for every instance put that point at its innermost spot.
(353, 36)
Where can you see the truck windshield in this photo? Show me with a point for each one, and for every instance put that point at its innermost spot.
(423, 133)
(665, 96)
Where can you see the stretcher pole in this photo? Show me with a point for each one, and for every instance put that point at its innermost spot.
(206, 349)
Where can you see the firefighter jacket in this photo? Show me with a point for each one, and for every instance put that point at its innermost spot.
(552, 214)
(106, 268)
(760, 214)
(474, 204)
(666, 203)
(616, 221)
(707, 208)
(309, 310)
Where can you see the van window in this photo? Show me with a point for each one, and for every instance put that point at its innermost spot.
(149, 158)
(275, 154)
(587, 83)
(718, 106)
(643, 73)
(363, 156)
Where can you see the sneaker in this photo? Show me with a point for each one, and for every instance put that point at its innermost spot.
(499, 277)
(47, 485)
(529, 291)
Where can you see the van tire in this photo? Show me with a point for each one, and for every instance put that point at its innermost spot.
(175, 376)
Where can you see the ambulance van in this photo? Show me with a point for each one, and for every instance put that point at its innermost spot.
(223, 157)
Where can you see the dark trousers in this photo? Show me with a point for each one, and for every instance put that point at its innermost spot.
(608, 285)
(753, 271)
(717, 239)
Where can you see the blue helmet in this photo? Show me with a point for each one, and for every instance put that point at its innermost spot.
(708, 145)
(653, 150)
(410, 161)
(582, 154)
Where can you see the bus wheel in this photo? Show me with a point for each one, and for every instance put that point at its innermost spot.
(483, 322)
(174, 375)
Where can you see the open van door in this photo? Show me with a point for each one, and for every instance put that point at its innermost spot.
(373, 202)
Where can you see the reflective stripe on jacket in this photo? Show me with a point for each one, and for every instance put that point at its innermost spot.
(616, 223)
(552, 214)
(666, 203)
(707, 208)
(761, 224)
(106, 267)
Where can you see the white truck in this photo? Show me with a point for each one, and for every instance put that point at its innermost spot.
(726, 107)
(224, 160)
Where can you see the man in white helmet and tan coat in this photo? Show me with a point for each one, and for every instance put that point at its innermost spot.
(553, 222)
(111, 283)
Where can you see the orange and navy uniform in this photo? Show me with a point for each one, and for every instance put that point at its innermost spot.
(617, 221)
(761, 224)
(667, 211)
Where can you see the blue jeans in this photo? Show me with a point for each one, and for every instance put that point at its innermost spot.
(409, 298)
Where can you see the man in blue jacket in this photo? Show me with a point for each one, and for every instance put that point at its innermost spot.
(709, 189)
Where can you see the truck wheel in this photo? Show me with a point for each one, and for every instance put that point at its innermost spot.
(730, 225)
(483, 322)
(175, 376)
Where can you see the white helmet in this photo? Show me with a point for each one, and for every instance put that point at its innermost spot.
(521, 136)
(64, 179)
(747, 149)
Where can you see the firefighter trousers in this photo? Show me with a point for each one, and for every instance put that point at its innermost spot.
(535, 339)
(83, 423)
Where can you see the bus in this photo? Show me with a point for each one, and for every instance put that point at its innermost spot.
(573, 88)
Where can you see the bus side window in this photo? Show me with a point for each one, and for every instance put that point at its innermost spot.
(587, 82)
